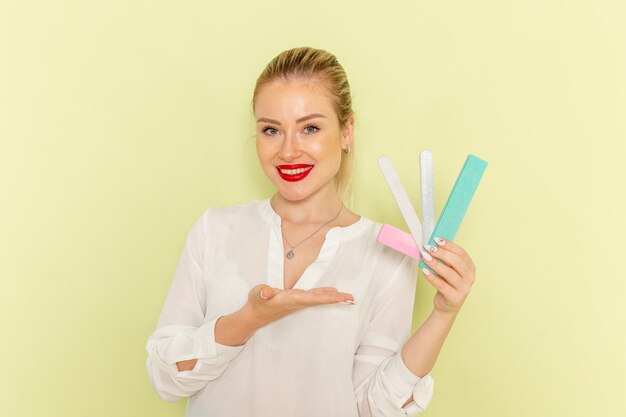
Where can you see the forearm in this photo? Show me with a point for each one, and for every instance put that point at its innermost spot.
(231, 330)
(420, 352)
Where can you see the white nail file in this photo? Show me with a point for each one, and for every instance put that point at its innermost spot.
(406, 208)
(427, 182)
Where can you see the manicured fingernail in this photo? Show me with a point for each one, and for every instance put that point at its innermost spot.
(431, 249)
(349, 302)
(426, 272)
(440, 241)
(262, 296)
(426, 256)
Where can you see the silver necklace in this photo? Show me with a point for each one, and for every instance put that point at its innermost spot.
(291, 253)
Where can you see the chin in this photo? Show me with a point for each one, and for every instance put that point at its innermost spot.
(294, 192)
(293, 196)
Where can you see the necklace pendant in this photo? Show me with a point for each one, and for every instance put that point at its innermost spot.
(290, 254)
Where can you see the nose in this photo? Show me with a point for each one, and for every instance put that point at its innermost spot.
(290, 148)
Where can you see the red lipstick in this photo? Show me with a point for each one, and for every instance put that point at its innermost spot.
(292, 176)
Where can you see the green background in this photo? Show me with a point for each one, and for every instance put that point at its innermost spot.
(122, 121)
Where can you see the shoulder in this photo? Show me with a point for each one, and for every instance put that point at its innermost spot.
(234, 210)
(237, 212)
(225, 219)
(223, 227)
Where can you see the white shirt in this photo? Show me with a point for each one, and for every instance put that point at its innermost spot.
(336, 360)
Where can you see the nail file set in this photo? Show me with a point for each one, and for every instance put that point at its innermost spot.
(451, 215)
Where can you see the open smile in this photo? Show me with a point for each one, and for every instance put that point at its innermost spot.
(293, 173)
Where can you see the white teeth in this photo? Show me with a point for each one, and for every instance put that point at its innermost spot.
(295, 171)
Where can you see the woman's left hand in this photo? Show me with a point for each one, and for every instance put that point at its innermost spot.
(454, 276)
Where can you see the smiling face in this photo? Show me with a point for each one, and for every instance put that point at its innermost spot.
(299, 139)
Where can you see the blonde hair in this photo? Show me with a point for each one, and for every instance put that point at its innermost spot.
(317, 65)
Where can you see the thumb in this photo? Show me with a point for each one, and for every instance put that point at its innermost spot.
(266, 292)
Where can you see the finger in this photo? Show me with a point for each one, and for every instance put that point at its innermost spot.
(452, 297)
(453, 260)
(348, 297)
(268, 292)
(315, 298)
(324, 290)
(331, 298)
(446, 272)
(453, 247)
(440, 284)
(450, 245)
(256, 291)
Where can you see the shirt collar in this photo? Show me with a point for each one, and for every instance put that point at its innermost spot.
(337, 233)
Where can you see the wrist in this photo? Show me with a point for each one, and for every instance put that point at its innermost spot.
(444, 315)
(235, 329)
(248, 318)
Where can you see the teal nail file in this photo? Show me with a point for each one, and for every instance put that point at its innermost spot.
(458, 200)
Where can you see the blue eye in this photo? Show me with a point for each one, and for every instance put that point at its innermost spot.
(270, 131)
(311, 129)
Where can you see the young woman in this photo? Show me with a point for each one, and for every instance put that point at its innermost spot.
(289, 306)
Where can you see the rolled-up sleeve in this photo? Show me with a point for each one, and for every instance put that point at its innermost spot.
(183, 332)
(382, 381)
(171, 344)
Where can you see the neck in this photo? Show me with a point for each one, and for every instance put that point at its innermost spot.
(317, 208)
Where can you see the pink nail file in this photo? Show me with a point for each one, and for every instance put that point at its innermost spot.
(398, 240)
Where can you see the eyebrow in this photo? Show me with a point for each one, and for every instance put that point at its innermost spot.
(300, 120)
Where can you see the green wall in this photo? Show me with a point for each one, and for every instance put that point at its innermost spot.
(119, 121)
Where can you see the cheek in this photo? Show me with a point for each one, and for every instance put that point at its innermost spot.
(265, 154)
(263, 151)
(331, 156)
(328, 149)
(332, 153)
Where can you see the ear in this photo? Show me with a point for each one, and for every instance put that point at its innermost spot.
(348, 133)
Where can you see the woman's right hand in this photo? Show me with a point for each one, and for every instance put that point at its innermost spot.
(266, 304)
